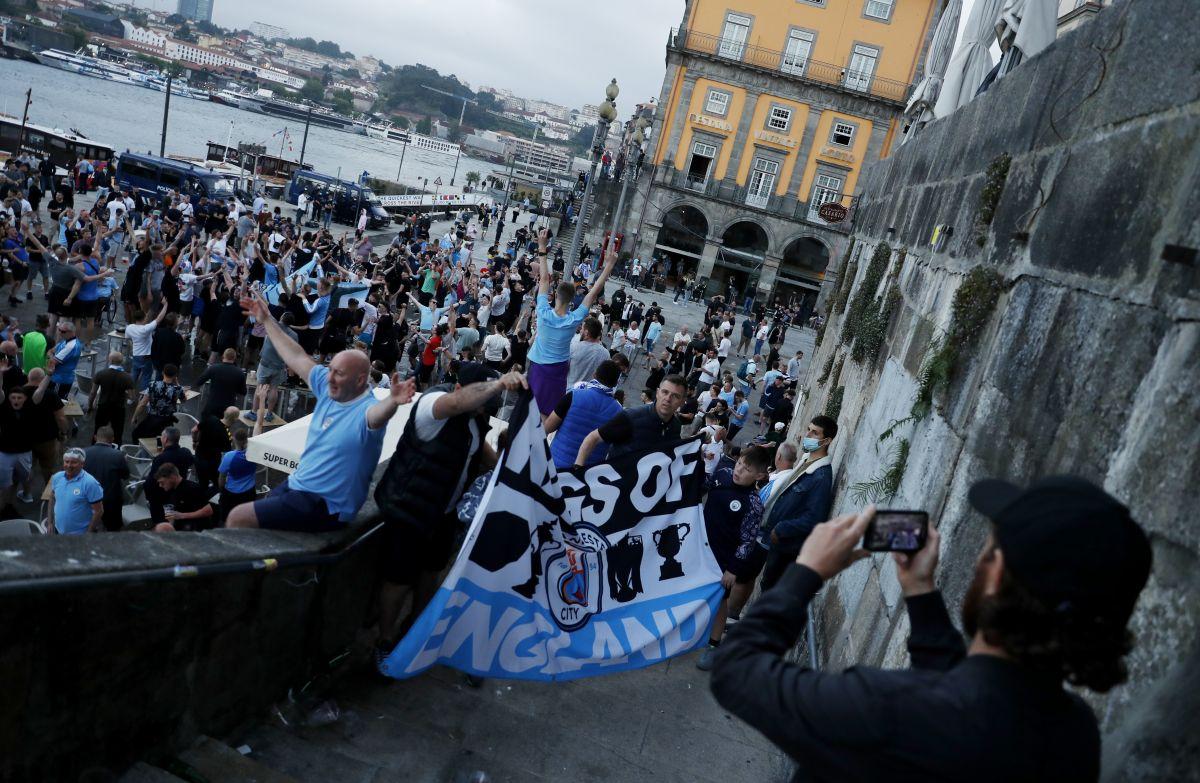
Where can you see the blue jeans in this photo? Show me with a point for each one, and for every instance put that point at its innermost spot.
(143, 370)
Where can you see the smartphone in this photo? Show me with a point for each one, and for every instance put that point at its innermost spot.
(896, 531)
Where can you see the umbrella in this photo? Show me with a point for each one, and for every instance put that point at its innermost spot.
(920, 106)
(1025, 28)
(971, 61)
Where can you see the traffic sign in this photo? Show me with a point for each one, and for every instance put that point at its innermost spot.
(547, 193)
(438, 181)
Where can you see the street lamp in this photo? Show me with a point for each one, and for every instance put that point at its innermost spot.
(608, 113)
(632, 147)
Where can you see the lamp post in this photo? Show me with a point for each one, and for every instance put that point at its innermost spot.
(632, 146)
(608, 113)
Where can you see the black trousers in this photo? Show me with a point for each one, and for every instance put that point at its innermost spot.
(114, 416)
(778, 560)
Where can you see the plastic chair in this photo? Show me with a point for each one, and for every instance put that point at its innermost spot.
(185, 422)
(133, 512)
(139, 466)
(21, 527)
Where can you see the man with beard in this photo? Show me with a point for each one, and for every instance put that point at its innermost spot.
(1053, 591)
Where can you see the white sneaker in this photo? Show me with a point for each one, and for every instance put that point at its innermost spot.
(24, 497)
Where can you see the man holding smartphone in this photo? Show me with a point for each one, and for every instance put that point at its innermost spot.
(1053, 591)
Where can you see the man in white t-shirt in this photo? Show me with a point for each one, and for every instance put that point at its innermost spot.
(417, 495)
(301, 208)
(141, 334)
(496, 347)
(723, 349)
(260, 204)
(711, 369)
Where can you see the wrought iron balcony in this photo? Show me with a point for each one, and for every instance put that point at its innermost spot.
(788, 207)
(791, 66)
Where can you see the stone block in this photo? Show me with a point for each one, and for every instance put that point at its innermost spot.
(1160, 442)
(1095, 182)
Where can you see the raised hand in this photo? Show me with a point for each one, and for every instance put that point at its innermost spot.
(402, 391)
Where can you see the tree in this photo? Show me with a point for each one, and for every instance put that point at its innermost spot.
(184, 33)
(78, 35)
(352, 73)
(400, 121)
(208, 28)
(176, 19)
(326, 75)
(313, 90)
(425, 126)
(455, 132)
(472, 177)
(343, 102)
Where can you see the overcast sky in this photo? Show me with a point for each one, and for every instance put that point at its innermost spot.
(564, 52)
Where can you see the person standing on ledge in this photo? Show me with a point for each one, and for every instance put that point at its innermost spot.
(343, 445)
(550, 355)
(1054, 587)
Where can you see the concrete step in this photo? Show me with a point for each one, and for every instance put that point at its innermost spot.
(215, 762)
(142, 772)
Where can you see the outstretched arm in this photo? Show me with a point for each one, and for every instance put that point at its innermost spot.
(543, 263)
(468, 398)
(610, 261)
(295, 357)
(401, 394)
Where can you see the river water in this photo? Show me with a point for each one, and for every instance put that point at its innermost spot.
(130, 117)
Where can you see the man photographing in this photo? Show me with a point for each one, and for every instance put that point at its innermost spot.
(1052, 594)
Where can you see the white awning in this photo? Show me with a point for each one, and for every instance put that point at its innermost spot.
(280, 448)
(972, 61)
(920, 106)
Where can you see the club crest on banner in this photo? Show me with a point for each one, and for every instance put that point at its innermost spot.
(573, 574)
(575, 578)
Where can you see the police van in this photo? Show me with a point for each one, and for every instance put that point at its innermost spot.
(347, 197)
(154, 176)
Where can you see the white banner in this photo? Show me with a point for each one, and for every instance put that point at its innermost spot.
(568, 575)
(440, 200)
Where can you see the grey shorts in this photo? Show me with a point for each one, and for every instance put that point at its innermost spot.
(14, 468)
(271, 375)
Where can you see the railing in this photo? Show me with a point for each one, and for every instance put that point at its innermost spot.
(791, 66)
(788, 207)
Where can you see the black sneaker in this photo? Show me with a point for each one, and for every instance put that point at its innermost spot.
(29, 296)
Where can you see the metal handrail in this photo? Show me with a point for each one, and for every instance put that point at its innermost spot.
(808, 70)
(170, 573)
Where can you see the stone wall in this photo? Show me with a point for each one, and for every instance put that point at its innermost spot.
(1086, 359)
(95, 677)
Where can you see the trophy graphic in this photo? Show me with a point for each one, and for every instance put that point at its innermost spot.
(668, 542)
(625, 568)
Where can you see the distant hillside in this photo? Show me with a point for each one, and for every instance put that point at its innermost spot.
(404, 89)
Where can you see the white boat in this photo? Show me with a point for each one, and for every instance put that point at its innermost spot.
(91, 66)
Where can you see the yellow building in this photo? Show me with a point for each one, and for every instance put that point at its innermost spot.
(769, 109)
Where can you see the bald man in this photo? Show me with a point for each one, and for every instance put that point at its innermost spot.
(344, 440)
(11, 374)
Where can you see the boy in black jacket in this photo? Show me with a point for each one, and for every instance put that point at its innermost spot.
(732, 514)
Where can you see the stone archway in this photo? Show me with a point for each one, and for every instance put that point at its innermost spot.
(744, 246)
(801, 271)
(680, 241)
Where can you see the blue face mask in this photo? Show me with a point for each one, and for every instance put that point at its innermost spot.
(810, 444)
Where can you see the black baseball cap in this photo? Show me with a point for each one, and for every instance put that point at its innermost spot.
(474, 372)
(1068, 542)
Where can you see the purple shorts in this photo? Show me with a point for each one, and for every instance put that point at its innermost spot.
(548, 382)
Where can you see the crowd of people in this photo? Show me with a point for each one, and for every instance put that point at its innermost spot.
(364, 327)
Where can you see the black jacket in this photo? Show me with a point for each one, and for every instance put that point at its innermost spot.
(948, 718)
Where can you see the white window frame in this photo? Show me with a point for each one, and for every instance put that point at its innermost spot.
(789, 63)
(826, 187)
(787, 121)
(704, 150)
(880, 10)
(723, 99)
(851, 131)
(860, 80)
(763, 174)
(730, 47)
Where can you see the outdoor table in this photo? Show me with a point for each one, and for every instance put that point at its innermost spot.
(151, 446)
(280, 448)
